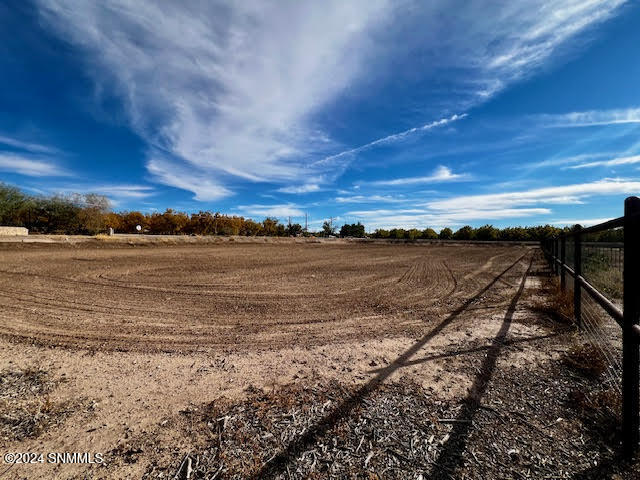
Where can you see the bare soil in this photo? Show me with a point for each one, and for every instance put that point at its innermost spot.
(138, 338)
(234, 297)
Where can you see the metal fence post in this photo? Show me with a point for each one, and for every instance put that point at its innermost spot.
(631, 312)
(563, 261)
(555, 254)
(577, 267)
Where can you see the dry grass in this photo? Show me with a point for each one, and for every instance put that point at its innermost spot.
(586, 359)
(604, 274)
(601, 411)
(599, 407)
(555, 302)
(25, 403)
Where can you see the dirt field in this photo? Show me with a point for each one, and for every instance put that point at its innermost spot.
(235, 297)
(124, 344)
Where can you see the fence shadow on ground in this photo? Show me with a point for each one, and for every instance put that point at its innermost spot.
(455, 446)
(451, 455)
(467, 351)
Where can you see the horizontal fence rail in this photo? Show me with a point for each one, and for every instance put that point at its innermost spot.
(617, 294)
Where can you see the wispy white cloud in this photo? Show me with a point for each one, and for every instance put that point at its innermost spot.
(590, 118)
(490, 207)
(231, 90)
(370, 199)
(560, 160)
(29, 158)
(417, 218)
(488, 46)
(614, 162)
(30, 166)
(186, 177)
(440, 175)
(396, 137)
(306, 188)
(550, 195)
(280, 210)
(123, 191)
(114, 191)
(239, 80)
(534, 36)
(27, 146)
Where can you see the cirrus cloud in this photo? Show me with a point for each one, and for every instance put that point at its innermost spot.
(440, 174)
(30, 166)
(232, 91)
(276, 210)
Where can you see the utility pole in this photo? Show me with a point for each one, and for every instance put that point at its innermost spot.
(306, 222)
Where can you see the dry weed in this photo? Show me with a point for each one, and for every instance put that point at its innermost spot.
(27, 409)
(555, 302)
(586, 359)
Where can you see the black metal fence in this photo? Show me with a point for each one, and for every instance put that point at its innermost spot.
(605, 279)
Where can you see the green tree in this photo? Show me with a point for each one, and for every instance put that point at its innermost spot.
(413, 234)
(429, 234)
(352, 230)
(397, 233)
(487, 232)
(12, 206)
(294, 229)
(328, 229)
(464, 233)
(446, 234)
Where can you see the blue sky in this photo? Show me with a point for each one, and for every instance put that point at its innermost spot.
(393, 113)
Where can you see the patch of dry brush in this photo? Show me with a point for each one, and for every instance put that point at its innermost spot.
(554, 301)
(26, 408)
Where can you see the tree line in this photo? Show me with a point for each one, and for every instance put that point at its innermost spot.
(491, 233)
(484, 233)
(72, 214)
(90, 214)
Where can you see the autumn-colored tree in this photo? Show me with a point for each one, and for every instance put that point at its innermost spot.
(270, 227)
(251, 228)
(113, 220)
(129, 221)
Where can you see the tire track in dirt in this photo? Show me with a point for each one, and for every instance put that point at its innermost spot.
(237, 296)
(485, 267)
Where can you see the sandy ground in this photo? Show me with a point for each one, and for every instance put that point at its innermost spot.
(138, 334)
